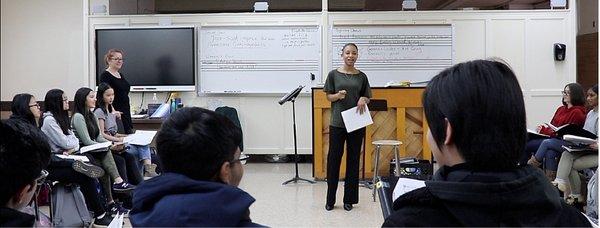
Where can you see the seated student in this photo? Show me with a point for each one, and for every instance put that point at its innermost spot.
(56, 127)
(571, 112)
(85, 126)
(200, 153)
(477, 144)
(24, 154)
(592, 198)
(107, 120)
(551, 149)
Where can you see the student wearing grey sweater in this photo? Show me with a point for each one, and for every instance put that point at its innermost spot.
(55, 125)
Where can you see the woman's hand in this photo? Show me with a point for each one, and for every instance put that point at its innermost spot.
(539, 128)
(117, 114)
(118, 147)
(362, 103)
(341, 94)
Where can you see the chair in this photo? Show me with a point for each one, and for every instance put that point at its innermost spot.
(378, 144)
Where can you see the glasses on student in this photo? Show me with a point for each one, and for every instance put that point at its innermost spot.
(117, 59)
(566, 93)
(35, 105)
(243, 159)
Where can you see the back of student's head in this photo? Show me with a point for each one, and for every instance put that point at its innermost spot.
(24, 152)
(195, 142)
(20, 107)
(483, 102)
(55, 104)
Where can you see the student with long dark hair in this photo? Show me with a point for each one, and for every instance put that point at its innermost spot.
(550, 150)
(56, 127)
(567, 177)
(85, 126)
(572, 111)
(25, 107)
(346, 87)
(107, 120)
(477, 133)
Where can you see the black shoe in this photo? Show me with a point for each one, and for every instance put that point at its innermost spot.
(328, 207)
(123, 187)
(88, 169)
(117, 208)
(104, 221)
(347, 206)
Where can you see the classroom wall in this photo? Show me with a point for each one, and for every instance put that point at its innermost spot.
(523, 38)
(42, 47)
(587, 16)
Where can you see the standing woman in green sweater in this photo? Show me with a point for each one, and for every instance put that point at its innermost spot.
(346, 87)
(85, 126)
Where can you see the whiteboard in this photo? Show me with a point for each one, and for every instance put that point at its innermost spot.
(386, 53)
(258, 59)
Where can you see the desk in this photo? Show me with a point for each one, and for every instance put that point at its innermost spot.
(404, 121)
(147, 124)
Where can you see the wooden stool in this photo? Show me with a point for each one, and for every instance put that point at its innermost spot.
(378, 144)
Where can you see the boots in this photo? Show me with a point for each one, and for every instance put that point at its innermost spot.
(551, 175)
(150, 170)
(534, 162)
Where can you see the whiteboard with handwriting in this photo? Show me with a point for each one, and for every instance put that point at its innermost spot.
(395, 53)
(258, 59)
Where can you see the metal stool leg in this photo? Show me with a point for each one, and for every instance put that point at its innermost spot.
(397, 156)
(375, 177)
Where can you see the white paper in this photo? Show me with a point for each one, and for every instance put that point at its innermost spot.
(578, 139)
(117, 222)
(141, 138)
(74, 157)
(94, 147)
(353, 120)
(405, 185)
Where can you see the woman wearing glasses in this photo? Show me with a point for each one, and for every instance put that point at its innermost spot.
(25, 108)
(572, 111)
(114, 62)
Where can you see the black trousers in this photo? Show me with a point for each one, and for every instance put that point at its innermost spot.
(337, 137)
(66, 175)
(128, 167)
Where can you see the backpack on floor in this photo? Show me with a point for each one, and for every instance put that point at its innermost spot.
(68, 207)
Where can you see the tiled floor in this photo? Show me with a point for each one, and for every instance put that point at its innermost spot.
(302, 204)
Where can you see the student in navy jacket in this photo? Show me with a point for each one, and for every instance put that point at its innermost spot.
(476, 115)
(200, 153)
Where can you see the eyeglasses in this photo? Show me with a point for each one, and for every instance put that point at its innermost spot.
(566, 93)
(35, 105)
(115, 59)
(243, 159)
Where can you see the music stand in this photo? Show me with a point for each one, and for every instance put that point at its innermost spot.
(291, 96)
